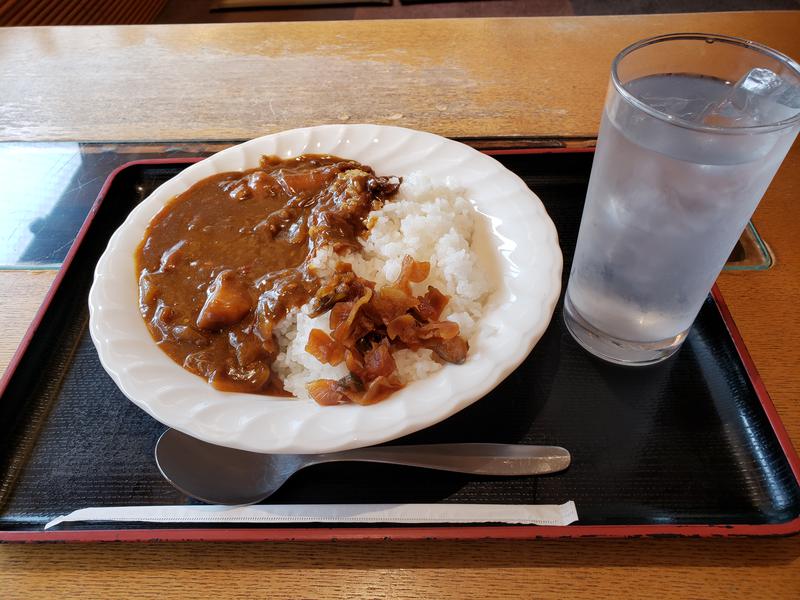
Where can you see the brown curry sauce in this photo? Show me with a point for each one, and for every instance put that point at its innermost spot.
(224, 261)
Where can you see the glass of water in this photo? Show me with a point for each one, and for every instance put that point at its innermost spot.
(694, 128)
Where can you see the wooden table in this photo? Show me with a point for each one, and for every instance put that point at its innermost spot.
(516, 78)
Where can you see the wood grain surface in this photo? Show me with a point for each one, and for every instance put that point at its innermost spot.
(658, 569)
(528, 77)
(21, 292)
(470, 77)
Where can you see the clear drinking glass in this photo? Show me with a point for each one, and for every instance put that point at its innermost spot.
(694, 128)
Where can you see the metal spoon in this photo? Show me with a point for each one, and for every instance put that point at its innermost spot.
(220, 475)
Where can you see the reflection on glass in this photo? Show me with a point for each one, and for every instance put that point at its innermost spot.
(33, 178)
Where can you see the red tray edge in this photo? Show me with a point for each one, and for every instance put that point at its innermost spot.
(325, 534)
(508, 532)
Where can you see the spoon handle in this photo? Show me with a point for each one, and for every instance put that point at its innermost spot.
(479, 459)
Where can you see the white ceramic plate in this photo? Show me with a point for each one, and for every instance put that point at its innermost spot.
(522, 238)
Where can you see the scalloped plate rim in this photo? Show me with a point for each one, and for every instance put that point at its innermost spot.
(318, 432)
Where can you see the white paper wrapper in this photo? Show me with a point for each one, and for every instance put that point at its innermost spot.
(524, 514)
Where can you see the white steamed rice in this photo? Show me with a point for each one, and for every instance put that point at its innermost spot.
(432, 222)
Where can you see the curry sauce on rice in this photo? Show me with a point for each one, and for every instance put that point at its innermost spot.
(313, 277)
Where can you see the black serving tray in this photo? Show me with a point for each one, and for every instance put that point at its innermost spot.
(692, 446)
